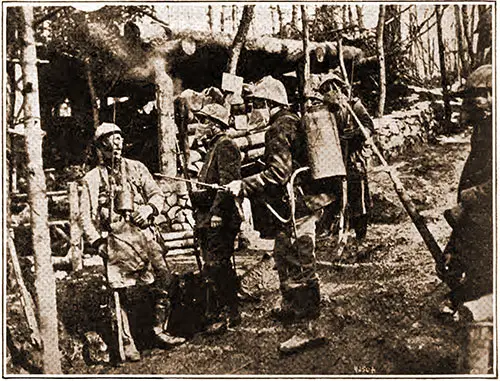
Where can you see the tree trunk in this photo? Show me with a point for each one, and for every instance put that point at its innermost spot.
(484, 38)
(222, 9)
(240, 38)
(210, 14)
(460, 42)
(442, 65)
(234, 11)
(280, 20)
(350, 15)
(166, 123)
(381, 60)
(344, 16)
(45, 286)
(468, 34)
(295, 17)
(92, 93)
(307, 57)
(361, 21)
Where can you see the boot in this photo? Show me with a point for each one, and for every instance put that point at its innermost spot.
(162, 313)
(131, 352)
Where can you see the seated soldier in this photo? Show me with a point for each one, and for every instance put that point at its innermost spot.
(118, 203)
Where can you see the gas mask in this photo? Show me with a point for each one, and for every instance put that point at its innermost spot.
(111, 149)
(260, 115)
(476, 107)
(206, 131)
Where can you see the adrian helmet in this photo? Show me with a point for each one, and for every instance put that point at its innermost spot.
(480, 78)
(105, 129)
(217, 112)
(271, 89)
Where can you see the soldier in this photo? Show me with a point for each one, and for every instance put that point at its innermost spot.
(218, 219)
(285, 151)
(353, 141)
(118, 203)
(469, 252)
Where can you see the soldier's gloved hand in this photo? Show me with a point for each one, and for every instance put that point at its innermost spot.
(215, 222)
(235, 187)
(141, 215)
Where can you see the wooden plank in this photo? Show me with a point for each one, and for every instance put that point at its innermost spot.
(173, 236)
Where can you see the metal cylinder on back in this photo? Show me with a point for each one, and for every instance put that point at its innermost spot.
(323, 143)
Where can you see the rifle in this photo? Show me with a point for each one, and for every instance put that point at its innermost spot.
(410, 208)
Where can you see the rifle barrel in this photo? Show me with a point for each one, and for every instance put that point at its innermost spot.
(195, 182)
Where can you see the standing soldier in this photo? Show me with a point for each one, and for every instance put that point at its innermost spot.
(285, 152)
(218, 219)
(118, 203)
(470, 248)
(354, 149)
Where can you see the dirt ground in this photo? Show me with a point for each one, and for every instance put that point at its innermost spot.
(379, 301)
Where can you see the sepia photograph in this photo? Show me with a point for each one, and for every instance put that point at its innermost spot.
(249, 189)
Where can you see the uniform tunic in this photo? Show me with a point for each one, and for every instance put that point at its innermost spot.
(286, 151)
(222, 165)
(134, 257)
(471, 242)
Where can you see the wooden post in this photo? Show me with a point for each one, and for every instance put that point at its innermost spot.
(45, 285)
(479, 348)
(166, 123)
(75, 232)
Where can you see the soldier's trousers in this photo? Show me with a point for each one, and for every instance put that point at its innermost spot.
(217, 247)
(471, 250)
(296, 264)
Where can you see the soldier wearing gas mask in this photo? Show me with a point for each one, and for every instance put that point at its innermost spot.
(118, 204)
(285, 152)
(468, 255)
(217, 218)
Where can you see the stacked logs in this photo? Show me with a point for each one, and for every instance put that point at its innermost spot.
(250, 143)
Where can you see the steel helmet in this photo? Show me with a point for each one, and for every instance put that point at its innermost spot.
(217, 112)
(271, 89)
(480, 78)
(105, 129)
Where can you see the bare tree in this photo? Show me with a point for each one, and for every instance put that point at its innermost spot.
(442, 65)
(350, 15)
(460, 41)
(361, 21)
(467, 28)
(381, 60)
(280, 20)
(234, 11)
(295, 17)
(484, 38)
(222, 9)
(210, 14)
(45, 286)
(240, 38)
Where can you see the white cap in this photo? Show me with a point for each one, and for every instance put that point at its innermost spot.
(106, 129)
